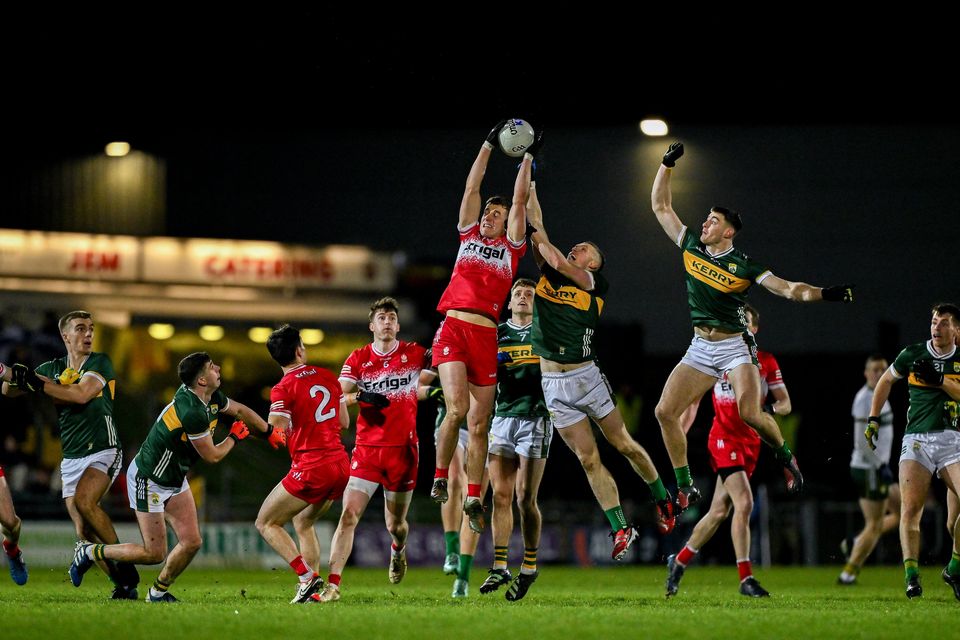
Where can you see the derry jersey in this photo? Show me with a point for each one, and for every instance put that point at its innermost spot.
(717, 284)
(309, 397)
(931, 409)
(85, 428)
(395, 374)
(727, 422)
(483, 273)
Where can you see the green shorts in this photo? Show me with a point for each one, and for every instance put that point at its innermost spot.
(869, 484)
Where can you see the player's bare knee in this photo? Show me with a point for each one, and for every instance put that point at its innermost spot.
(665, 415)
(527, 502)
(349, 518)
(502, 500)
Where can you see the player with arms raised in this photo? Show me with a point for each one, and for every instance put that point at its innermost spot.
(718, 278)
(465, 347)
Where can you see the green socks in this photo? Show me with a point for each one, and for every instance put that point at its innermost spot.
(683, 476)
(452, 539)
(658, 490)
(616, 518)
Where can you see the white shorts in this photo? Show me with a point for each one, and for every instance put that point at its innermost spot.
(717, 358)
(574, 395)
(145, 495)
(110, 461)
(463, 437)
(934, 450)
(511, 436)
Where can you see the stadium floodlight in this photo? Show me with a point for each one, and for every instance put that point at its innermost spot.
(161, 331)
(654, 127)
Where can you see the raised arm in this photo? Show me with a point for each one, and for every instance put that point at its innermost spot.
(535, 218)
(803, 292)
(661, 198)
(517, 220)
(471, 203)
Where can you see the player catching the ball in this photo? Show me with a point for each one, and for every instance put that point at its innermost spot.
(465, 347)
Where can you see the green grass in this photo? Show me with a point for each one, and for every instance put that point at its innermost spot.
(609, 603)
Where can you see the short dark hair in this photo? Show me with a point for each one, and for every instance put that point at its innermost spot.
(747, 308)
(942, 308)
(603, 258)
(730, 216)
(190, 367)
(874, 357)
(497, 200)
(385, 303)
(73, 315)
(523, 282)
(283, 343)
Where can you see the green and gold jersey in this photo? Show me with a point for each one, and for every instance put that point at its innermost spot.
(85, 428)
(519, 393)
(717, 285)
(167, 454)
(931, 409)
(565, 317)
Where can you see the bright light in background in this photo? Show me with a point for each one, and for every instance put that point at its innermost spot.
(159, 331)
(311, 336)
(117, 149)
(211, 332)
(259, 334)
(654, 127)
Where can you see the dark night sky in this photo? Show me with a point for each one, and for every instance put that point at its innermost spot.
(839, 154)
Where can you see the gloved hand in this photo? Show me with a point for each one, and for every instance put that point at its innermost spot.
(26, 379)
(238, 431)
(927, 373)
(536, 146)
(435, 393)
(872, 431)
(493, 138)
(838, 293)
(276, 437)
(374, 399)
(674, 152)
(503, 357)
(768, 408)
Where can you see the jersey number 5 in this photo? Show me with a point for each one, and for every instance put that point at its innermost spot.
(321, 414)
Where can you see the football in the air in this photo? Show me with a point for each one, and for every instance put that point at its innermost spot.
(516, 136)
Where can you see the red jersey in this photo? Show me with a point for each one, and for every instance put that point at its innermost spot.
(483, 273)
(726, 418)
(395, 374)
(309, 397)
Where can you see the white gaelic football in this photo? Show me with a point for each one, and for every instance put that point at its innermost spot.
(516, 136)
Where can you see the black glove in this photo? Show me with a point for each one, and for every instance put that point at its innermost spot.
(927, 373)
(374, 399)
(838, 293)
(494, 136)
(768, 407)
(435, 393)
(537, 144)
(673, 154)
(26, 379)
(886, 475)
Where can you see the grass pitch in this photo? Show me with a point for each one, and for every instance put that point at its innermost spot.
(617, 602)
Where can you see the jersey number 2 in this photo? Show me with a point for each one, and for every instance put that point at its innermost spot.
(320, 415)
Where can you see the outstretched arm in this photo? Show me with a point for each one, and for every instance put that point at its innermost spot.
(661, 198)
(242, 412)
(535, 218)
(470, 205)
(517, 220)
(803, 292)
(545, 251)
